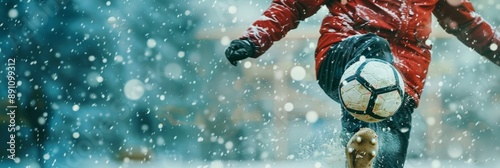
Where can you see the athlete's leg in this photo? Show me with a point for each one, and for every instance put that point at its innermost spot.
(393, 133)
(345, 53)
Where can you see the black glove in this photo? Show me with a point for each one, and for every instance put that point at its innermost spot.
(239, 50)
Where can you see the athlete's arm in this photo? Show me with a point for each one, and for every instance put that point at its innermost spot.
(281, 17)
(470, 28)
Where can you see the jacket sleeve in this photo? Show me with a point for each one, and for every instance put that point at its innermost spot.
(471, 29)
(281, 17)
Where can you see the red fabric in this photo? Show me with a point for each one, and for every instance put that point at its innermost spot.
(406, 25)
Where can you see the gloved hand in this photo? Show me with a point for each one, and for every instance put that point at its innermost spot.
(239, 50)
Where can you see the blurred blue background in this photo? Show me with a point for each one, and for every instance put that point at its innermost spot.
(146, 84)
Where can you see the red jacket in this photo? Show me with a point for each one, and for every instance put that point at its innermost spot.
(406, 24)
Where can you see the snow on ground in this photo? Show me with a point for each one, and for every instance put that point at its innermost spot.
(413, 163)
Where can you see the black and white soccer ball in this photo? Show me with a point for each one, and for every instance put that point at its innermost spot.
(371, 90)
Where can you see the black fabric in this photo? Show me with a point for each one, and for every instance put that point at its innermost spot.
(393, 133)
(347, 52)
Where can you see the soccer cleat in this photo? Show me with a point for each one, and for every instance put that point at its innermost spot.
(362, 149)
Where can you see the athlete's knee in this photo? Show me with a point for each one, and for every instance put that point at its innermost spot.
(374, 46)
(345, 53)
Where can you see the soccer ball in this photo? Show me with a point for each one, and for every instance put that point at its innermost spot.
(371, 90)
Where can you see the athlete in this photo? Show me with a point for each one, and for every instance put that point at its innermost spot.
(395, 31)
